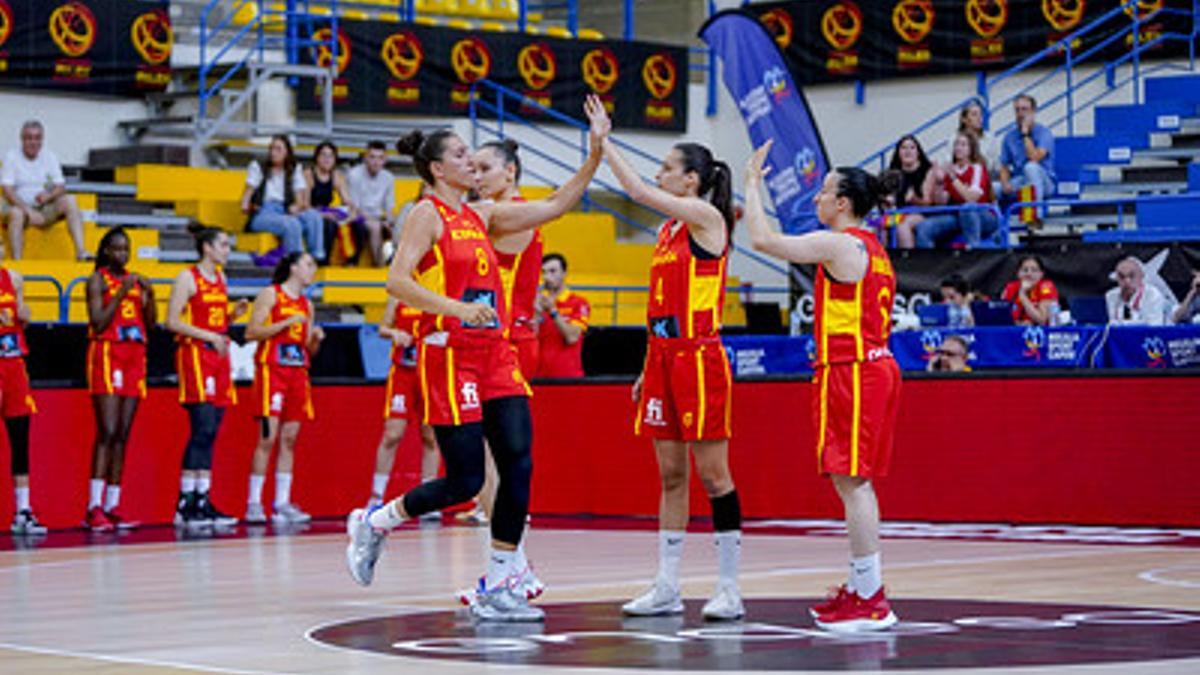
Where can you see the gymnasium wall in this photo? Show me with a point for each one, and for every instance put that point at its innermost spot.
(1080, 450)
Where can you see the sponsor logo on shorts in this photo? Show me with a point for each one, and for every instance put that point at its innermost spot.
(276, 402)
(210, 386)
(399, 405)
(654, 413)
(470, 396)
(118, 378)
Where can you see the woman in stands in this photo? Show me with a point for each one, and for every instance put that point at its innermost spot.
(281, 321)
(121, 310)
(963, 181)
(16, 397)
(277, 201)
(856, 383)
(326, 187)
(970, 119)
(1034, 297)
(402, 401)
(472, 385)
(683, 395)
(916, 186)
(199, 314)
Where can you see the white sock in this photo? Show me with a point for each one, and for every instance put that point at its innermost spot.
(670, 552)
(256, 486)
(283, 488)
(729, 554)
(866, 575)
(385, 517)
(22, 498)
(520, 562)
(379, 484)
(203, 484)
(500, 567)
(112, 497)
(187, 484)
(95, 493)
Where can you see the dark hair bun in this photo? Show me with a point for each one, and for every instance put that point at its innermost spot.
(410, 143)
(511, 146)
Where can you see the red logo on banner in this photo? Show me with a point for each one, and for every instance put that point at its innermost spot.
(402, 54)
(6, 21)
(660, 77)
(323, 52)
(842, 25)
(537, 65)
(600, 70)
(1145, 8)
(987, 18)
(73, 28)
(471, 60)
(779, 24)
(913, 22)
(152, 36)
(1063, 15)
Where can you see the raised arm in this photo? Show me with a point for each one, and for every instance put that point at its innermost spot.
(23, 312)
(422, 228)
(507, 217)
(260, 313)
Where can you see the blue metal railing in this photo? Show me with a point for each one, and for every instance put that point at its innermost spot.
(1002, 226)
(1125, 205)
(1071, 60)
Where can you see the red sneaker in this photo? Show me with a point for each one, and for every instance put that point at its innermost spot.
(96, 521)
(120, 523)
(833, 600)
(856, 614)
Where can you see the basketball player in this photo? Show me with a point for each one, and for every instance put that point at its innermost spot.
(281, 321)
(198, 313)
(472, 385)
(683, 395)
(121, 309)
(857, 381)
(402, 402)
(16, 397)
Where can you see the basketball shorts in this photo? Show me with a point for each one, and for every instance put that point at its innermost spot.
(16, 397)
(686, 391)
(402, 399)
(283, 392)
(116, 368)
(204, 375)
(854, 414)
(458, 376)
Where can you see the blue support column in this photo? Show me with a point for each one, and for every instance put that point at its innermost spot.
(573, 16)
(522, 15)
(629, 28)
(860, 92)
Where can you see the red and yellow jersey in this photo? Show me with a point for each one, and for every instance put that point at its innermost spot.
(12, 333)
(462, 265)
(521, 274)
(687, 291)
(288, 347)
(408, 320)
(208, 308)
(556, 358)
(853, 321)
(128, 324)
(1042, 290)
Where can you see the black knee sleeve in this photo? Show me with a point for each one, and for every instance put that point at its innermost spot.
(727, 512)
(18, 441)
(508, 426)
(205, 421)
(462, 454)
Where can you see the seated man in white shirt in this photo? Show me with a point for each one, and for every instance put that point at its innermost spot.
(1132, 301)
(373, 196)
(36, 192)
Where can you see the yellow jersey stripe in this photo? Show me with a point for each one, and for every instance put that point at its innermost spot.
(452, 393)
(856, 397)
(108, 380)
(690, 314)
(728, 396)
(700, 411)
(822, 413)
(421, 364)
(387, 393)
(858, 333)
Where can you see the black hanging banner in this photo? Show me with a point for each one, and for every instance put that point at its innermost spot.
(839, 40)
(120, 47)
(406, 68)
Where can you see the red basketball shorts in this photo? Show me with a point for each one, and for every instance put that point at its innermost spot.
(686, 391)
(854, 414)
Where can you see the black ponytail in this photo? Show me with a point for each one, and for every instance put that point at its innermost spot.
(507, 148)
(424, 150)
(283, 270)
(865, 192)
(716, 180)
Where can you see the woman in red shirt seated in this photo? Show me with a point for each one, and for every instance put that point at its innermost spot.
(963, 181)
(1034, 297)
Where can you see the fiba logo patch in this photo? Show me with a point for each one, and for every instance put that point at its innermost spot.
(276, 401)
(1156, 352)
(654, 413)
(1035, 340)
(470, 395)
(399, 405)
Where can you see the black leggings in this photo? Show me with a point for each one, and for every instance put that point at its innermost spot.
(18, 441)
(205, 421)
(508, 427)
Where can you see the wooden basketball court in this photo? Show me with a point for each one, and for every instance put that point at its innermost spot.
(252, 603)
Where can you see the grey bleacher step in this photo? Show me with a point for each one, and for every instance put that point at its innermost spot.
(121, 204)
(1091, 220)
(1144, 171)
(102, 189)
(137, 220)
(1124, 190)
(146, 153)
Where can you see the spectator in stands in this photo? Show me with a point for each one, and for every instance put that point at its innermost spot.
(916, 185)
(373, 197)
(1189, 309)
(1034, 297)
(328, 194)
(1132, 301)
(956, 295)
(277, 201)
(563, 317)
(951, 356)
(389, 247)
(1027, 154)
(970, 118)
(36, 192)
(964, 181)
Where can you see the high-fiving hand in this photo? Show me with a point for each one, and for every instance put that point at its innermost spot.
(598, 119)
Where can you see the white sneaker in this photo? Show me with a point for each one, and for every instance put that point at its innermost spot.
(505, 603)
(725, 604)
(662, 599)
(366, 543)
(526, 583)
(289, 514)
(25, 523)
(255, 514)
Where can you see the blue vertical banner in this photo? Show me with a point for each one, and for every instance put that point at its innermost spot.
(757, 77)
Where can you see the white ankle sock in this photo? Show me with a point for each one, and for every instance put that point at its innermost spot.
(112, 497)
(379, 484)
(22, 494)
(256, 488)
(670, 552)
(203, 483)
(866, 575)
(729, 554)
(283, 489)
(386, 517)
(500, 567)
(95, 493)
(187, 484)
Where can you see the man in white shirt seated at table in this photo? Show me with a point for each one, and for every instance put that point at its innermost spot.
(35, 192)
(1132, 302)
